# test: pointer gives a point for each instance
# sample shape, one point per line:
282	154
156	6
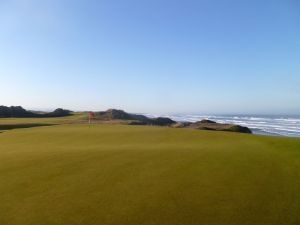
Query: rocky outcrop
241	129
162	121
206	121
211	125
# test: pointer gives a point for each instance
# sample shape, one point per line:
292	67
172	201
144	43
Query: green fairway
145	175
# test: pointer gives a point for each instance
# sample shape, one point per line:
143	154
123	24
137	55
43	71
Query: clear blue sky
156	56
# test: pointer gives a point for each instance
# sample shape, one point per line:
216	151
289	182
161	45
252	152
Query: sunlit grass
114	174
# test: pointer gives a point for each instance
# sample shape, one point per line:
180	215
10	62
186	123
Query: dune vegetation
120	174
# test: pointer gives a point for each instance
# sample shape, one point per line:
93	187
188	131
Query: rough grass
75	117
26	125
142	175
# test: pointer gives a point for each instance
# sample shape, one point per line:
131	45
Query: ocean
267	125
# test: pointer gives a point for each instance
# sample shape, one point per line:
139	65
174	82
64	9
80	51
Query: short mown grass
143	175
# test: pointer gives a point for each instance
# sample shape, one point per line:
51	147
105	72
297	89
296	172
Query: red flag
91	114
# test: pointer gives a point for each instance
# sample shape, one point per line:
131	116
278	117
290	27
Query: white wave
271	125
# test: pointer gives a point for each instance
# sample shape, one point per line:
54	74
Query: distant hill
122	117
58	113
18	111
133	119
136	119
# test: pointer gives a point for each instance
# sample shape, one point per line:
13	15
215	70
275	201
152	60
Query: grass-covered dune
113	174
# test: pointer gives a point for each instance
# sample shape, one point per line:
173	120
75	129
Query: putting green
143	175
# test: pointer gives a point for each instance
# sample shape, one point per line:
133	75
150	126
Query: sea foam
271	125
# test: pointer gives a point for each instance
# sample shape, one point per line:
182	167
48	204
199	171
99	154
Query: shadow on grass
16	126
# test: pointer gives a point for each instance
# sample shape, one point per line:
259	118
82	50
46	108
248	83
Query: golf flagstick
90	114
